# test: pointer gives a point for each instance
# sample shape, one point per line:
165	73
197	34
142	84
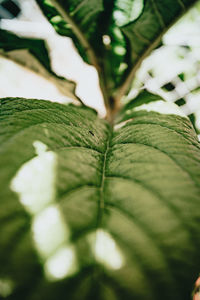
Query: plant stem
90	52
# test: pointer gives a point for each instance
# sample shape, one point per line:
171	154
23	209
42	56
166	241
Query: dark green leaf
114	36
138	183
80	19
89	23
144	97
33	54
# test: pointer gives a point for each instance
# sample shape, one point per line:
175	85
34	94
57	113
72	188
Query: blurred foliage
173	70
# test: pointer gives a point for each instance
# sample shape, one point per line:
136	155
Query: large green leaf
93	212
116	35
33	54
86	22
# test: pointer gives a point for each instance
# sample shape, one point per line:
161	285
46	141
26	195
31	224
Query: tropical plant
93	208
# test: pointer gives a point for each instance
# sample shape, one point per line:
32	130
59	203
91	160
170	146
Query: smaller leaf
33	54
79	21
145	33
144	97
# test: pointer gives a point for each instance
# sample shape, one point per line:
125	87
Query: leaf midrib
101	205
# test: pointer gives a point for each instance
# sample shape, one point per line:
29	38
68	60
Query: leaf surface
33	54
114	36
128	198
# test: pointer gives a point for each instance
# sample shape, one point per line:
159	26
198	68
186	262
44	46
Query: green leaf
76	19
114	36
93	212
87	22
92	27
33	54
144	97
145	33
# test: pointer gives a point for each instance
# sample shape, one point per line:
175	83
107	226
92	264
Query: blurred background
172	70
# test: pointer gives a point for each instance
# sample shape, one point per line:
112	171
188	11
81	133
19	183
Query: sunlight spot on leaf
46	131
122	67
56	19
119	17
128	112
106	40
67	25
118	33
6	287
161	107
34	182
40	148
48	2
197	121
49	230
136	9
122	124
106	250
119	50
127	11
35	185
61	264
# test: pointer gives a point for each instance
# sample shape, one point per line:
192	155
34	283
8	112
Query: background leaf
83	14
139	183
114	36
33	54
179	57
145	33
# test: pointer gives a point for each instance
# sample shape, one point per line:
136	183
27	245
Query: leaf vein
151	236
164	126
173	209
67	193
76	147
167	154
158	14
181	4
103	178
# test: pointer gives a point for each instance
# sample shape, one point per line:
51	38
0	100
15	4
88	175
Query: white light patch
106	251
6	287
106	39
122	124
35	181
127	13
40	147
162	107
35	185
122	67
119	17
119	50
56	19
49	231
61	264
197	121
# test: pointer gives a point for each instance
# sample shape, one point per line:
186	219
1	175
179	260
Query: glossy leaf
33	54
114	36
89	23
122	203
145	33
79	18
